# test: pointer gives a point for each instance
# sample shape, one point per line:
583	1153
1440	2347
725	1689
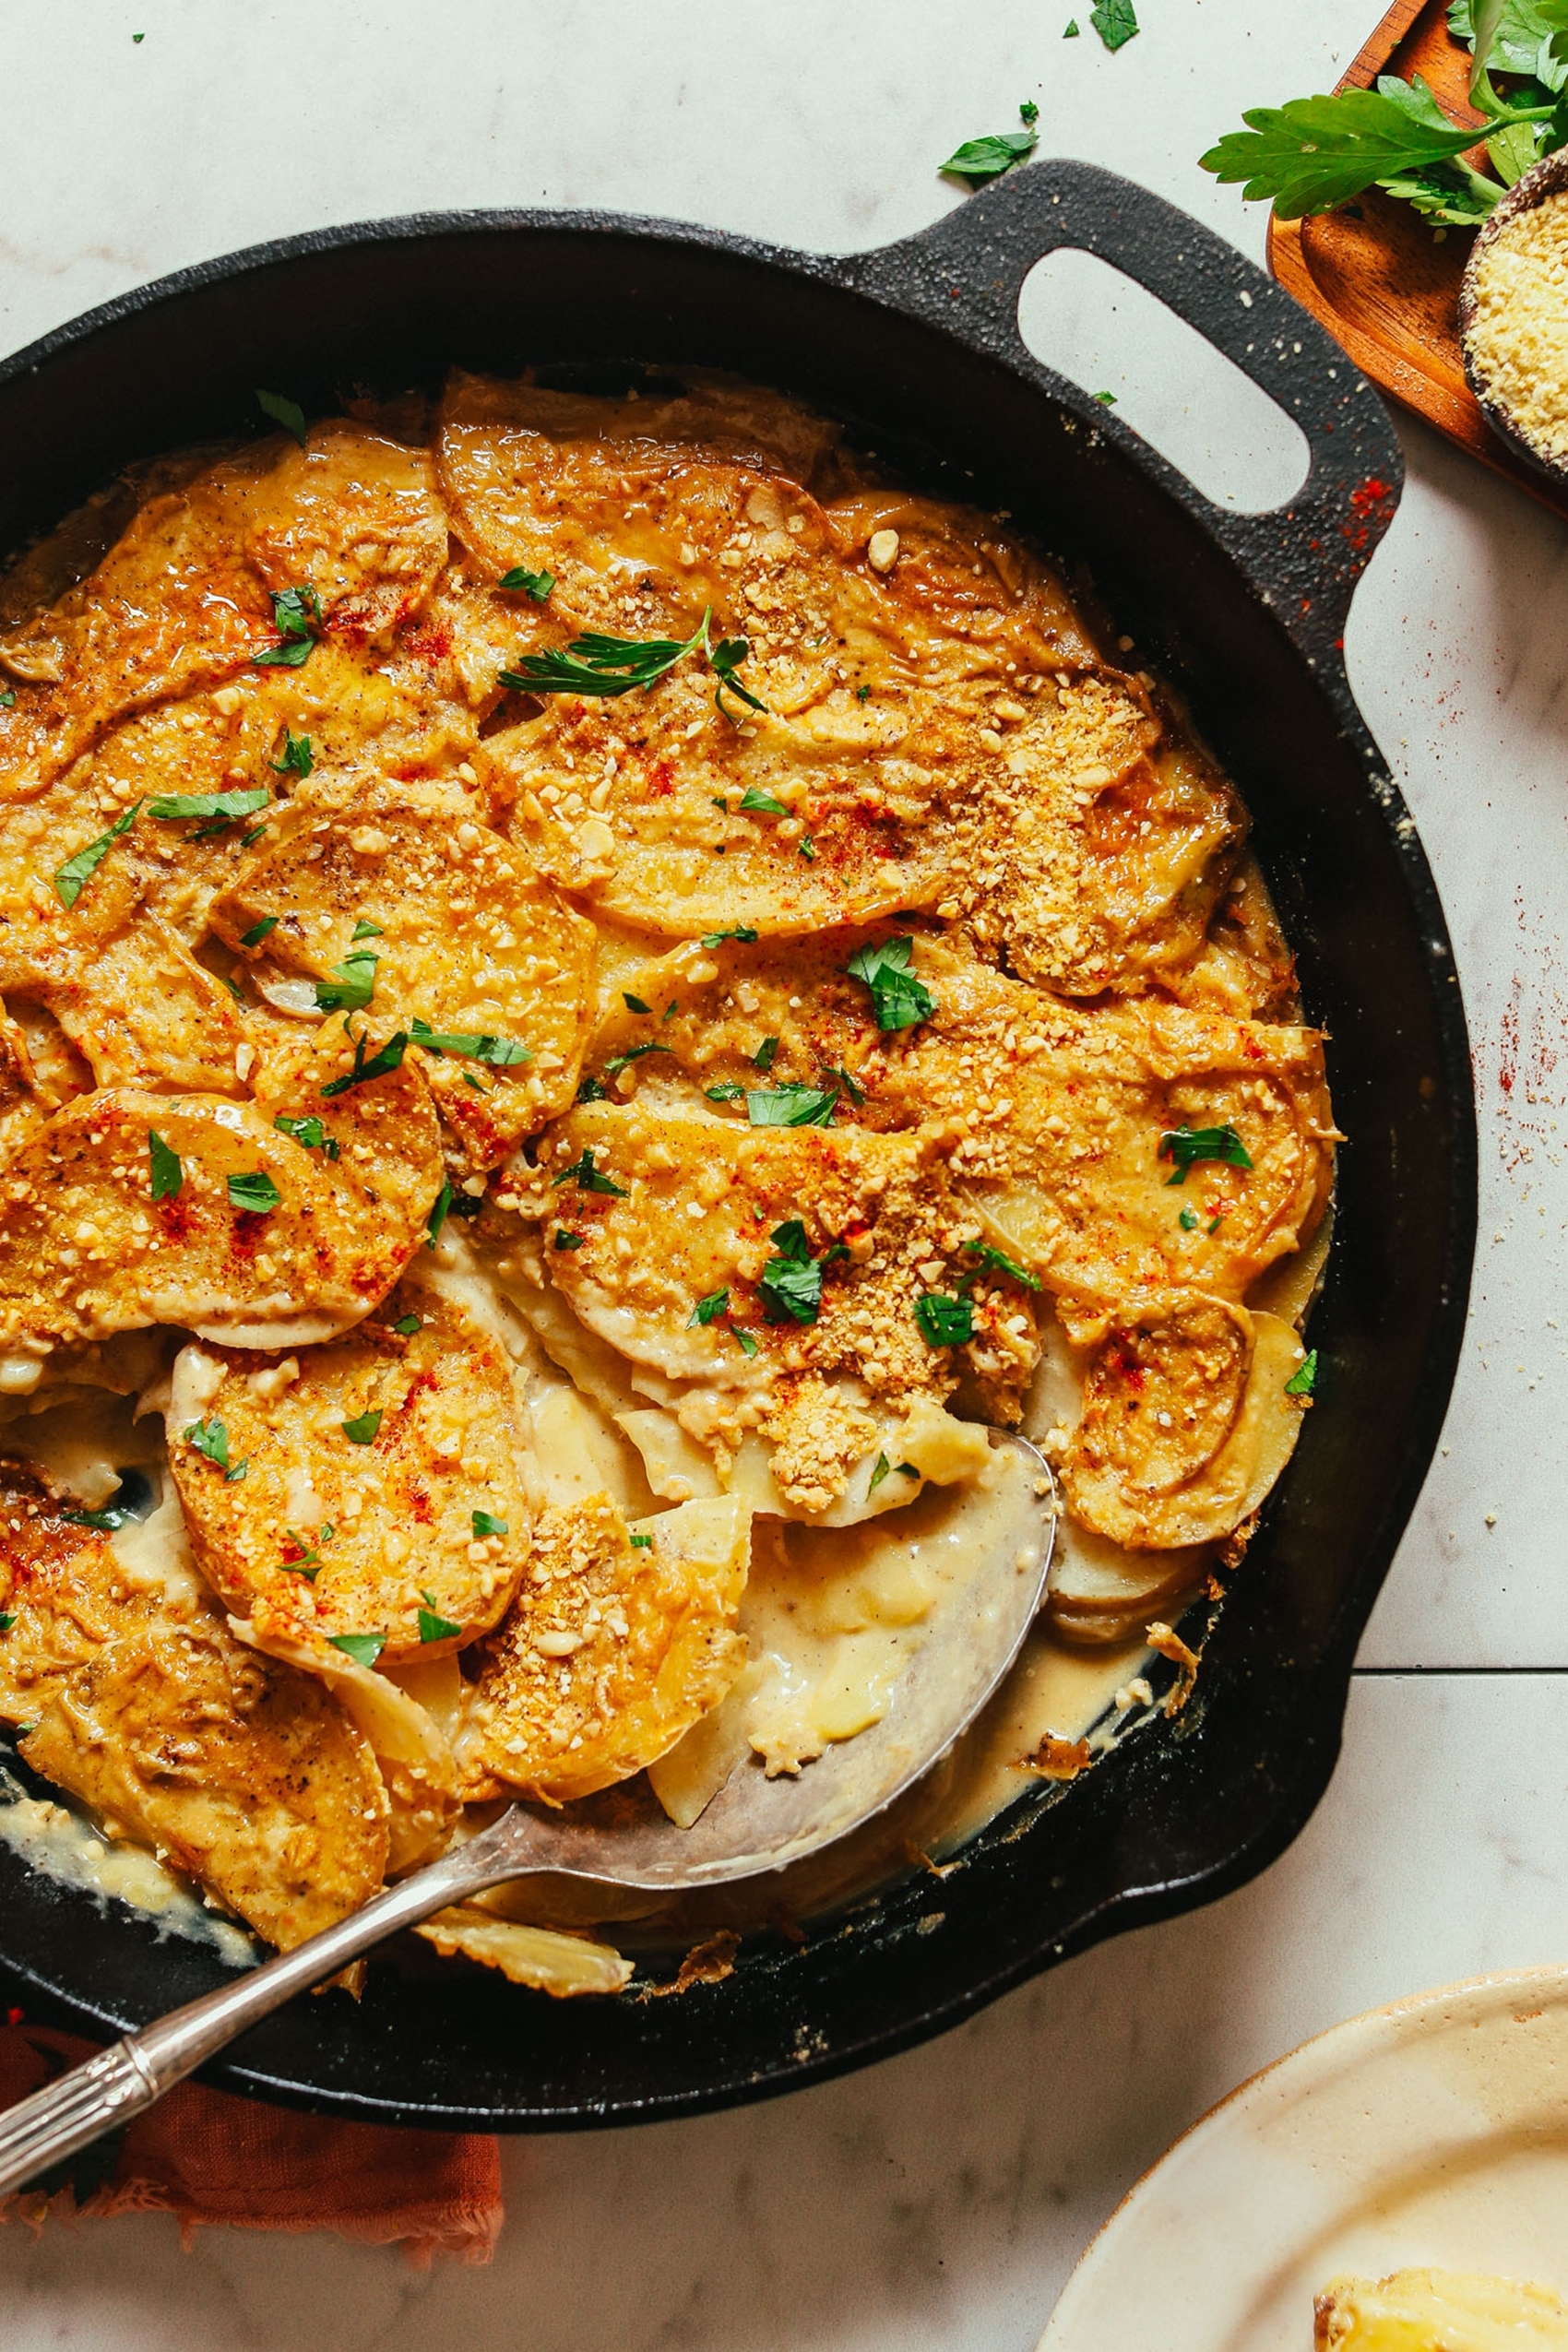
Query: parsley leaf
501	1052
1188	1221
260	931
362	1430
256	1194
364	1649
296	616
537	584
725	1091
405	1326
634	1003
997	1262
595	664
641	1543
565	1241
105	1521
77	871
1072	31
763	804
589	1089
433	1627
726	659
485	1523
708	1310
743	1339
353	984
379	1066
167	1173
986	159
1186	1146
945	1323
225	806
882	1467
1115	21
440	1209
298	758
897	998
583	1171
791	1282
791	1106
1106	400
287	413
1029	112
1313	153
211	1439
1303	1380
633	1053
8	699
743	931
308	1131
766	1054
363	929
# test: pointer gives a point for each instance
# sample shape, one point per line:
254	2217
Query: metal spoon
752	1825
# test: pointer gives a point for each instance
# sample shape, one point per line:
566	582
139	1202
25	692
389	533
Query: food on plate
1513	317
1437	2311
593	992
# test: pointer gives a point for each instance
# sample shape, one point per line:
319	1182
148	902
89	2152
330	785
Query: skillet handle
968	269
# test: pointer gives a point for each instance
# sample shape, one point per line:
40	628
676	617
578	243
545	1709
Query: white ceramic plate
1435	2133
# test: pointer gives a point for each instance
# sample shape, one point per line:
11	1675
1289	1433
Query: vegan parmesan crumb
1516	340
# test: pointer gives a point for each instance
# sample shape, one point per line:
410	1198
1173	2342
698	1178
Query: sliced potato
64	1588
461	938
183	597
144	1013
246	1775
564	1966
374	1466
612	1650
1187	1424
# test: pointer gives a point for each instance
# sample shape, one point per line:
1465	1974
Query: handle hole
1081	317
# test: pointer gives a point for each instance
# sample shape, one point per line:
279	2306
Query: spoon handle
119	2082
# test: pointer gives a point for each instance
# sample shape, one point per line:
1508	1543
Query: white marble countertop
940	2199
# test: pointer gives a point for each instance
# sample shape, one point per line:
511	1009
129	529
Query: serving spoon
751	1824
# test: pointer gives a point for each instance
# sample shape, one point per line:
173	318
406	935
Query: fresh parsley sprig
1185	1146
897	998
77	871
296	615
790	1283
986	159
606	667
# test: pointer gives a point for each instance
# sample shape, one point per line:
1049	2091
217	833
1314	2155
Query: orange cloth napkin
209	2156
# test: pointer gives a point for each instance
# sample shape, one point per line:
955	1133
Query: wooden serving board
1384	282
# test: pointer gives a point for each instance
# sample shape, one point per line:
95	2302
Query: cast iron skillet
919	343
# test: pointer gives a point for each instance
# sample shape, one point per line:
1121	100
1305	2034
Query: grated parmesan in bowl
1513	315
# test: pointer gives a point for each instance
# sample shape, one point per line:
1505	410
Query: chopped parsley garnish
211	1439
591	1089
260	931
808	849
634	1003
379	1066
708	1310
725	1091
747	1345
287	413
167	1173
565	1241
727	657
485	1523
743	931
596	664
1115	21
307	1132
862	694
763	804
641	1543
997	1262
305	1560
360	1649
477	1084
1106	400
583	1171
405	1326
1187	1146
791	1282
256	1194
79	870
433	1627
882	1467
232	985
986	159
537	583
945	1323
1303	1380
105	1521
352	986
450	1202
502	1052
298	758
766	1054
791	1106
841	1077
362	1430
296	616
1072	31
6	1620
633	1053
8	699
365	930
254	834
1188	1221
897	998
219	808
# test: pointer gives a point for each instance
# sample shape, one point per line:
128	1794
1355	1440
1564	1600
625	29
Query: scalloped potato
591	992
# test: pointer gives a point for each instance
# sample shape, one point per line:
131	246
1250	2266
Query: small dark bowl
1547	178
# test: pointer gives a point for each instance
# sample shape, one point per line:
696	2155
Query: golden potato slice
375	1466
543	1958
144	1013
436	910
613	1649
184	597
86	1250
246	1775
64	1589
22	1108
1187	1424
